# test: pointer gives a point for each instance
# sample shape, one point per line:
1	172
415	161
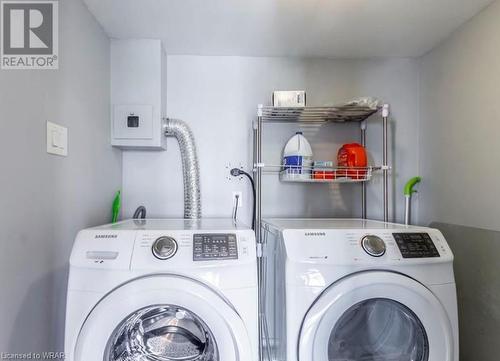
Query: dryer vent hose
190	167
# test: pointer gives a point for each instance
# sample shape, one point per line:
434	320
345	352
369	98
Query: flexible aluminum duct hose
190	168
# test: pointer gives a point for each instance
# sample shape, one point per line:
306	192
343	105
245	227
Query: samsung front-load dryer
163	290
357	290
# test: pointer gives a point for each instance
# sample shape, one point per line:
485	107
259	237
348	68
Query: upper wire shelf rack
338	114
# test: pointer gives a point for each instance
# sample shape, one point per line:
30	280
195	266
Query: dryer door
376	316
163	318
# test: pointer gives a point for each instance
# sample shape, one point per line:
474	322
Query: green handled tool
117	203
408	192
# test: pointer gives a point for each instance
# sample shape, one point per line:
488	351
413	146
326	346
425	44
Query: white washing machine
163	290
357	290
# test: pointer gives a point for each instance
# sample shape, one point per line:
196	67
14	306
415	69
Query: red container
323	174
352	156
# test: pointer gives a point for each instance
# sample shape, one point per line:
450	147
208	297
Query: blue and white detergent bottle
298	158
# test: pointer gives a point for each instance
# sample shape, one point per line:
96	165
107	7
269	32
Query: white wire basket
303	174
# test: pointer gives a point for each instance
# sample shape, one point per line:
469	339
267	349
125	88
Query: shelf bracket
259	250
258	165
260	108
362	125
385	111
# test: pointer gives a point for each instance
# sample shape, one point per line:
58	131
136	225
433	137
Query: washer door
163	318
376	316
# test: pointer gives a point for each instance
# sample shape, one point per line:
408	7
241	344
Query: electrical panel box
137	94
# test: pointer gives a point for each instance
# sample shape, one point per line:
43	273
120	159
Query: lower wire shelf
303	174
299	178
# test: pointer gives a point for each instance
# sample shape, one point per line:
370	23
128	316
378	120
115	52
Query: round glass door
378	330
377	316
162	333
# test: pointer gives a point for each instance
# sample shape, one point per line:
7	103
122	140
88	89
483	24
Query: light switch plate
57	139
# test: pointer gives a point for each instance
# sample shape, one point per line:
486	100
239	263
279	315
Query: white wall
46	199
460	126
218	96
397	82
460	158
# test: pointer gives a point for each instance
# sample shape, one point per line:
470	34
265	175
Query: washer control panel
415	245
212	246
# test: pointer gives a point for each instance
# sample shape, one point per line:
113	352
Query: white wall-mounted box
138	71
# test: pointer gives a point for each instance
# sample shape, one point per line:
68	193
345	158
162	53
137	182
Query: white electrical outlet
240	199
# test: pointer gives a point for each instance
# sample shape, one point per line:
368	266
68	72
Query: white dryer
163	290
357	290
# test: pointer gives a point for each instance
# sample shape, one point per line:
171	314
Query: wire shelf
306	174
338	114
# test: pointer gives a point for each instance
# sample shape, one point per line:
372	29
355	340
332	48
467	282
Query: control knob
373	245
164	248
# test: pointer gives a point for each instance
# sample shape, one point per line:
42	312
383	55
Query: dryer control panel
390	244
212	246
415	245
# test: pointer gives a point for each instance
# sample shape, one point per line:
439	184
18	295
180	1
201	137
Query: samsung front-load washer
357	290
163	290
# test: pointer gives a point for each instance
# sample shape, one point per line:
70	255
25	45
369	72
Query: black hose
140	213
235	172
